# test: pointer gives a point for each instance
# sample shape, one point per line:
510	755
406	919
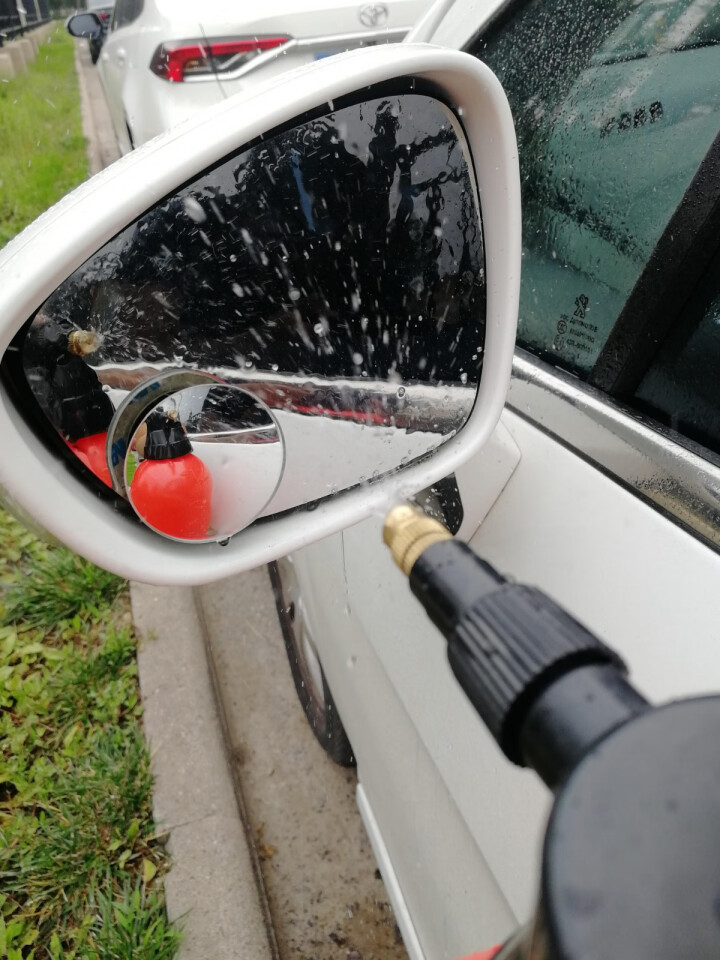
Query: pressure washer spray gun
631	856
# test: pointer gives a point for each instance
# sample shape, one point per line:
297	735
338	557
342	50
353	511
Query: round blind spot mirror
203	463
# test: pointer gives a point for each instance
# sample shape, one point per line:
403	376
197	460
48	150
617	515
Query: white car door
602	487
117	55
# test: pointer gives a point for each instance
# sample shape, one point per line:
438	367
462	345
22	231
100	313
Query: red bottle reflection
172	488
91	451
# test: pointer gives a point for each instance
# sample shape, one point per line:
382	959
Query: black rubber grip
508	646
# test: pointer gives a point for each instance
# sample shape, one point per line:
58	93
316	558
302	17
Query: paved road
313	864
324	894
97	127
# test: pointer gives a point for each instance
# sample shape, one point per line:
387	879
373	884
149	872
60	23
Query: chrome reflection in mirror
335	270
203	463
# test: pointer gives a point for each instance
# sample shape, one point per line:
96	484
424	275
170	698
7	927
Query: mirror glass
84	25
334	270
203	463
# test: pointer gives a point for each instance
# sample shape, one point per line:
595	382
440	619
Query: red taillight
176	61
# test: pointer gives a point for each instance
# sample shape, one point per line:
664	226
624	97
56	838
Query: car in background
104	11
601	484
165	60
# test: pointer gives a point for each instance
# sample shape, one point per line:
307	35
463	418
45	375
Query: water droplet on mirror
401	391
321	327
194	210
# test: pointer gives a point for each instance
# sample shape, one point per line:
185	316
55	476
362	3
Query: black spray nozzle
166	438
513	650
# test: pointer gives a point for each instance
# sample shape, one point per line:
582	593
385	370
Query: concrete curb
97	128
16	54
212	887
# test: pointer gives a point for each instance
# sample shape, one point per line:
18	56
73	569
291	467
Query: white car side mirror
288	292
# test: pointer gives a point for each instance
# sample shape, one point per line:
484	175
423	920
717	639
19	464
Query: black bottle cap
166	439
83	406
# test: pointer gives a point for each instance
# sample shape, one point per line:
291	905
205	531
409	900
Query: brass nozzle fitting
408	532
82	342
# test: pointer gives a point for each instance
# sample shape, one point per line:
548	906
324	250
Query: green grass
41	142
81	864
80	861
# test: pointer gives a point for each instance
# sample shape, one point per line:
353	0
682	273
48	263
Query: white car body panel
150	105
463	20
385	663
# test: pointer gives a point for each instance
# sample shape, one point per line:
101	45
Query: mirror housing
34	264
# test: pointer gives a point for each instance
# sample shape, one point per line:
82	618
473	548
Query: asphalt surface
324	894
270	858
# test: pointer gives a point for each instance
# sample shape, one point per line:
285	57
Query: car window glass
615	104
126	11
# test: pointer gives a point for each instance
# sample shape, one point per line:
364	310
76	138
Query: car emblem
373	14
